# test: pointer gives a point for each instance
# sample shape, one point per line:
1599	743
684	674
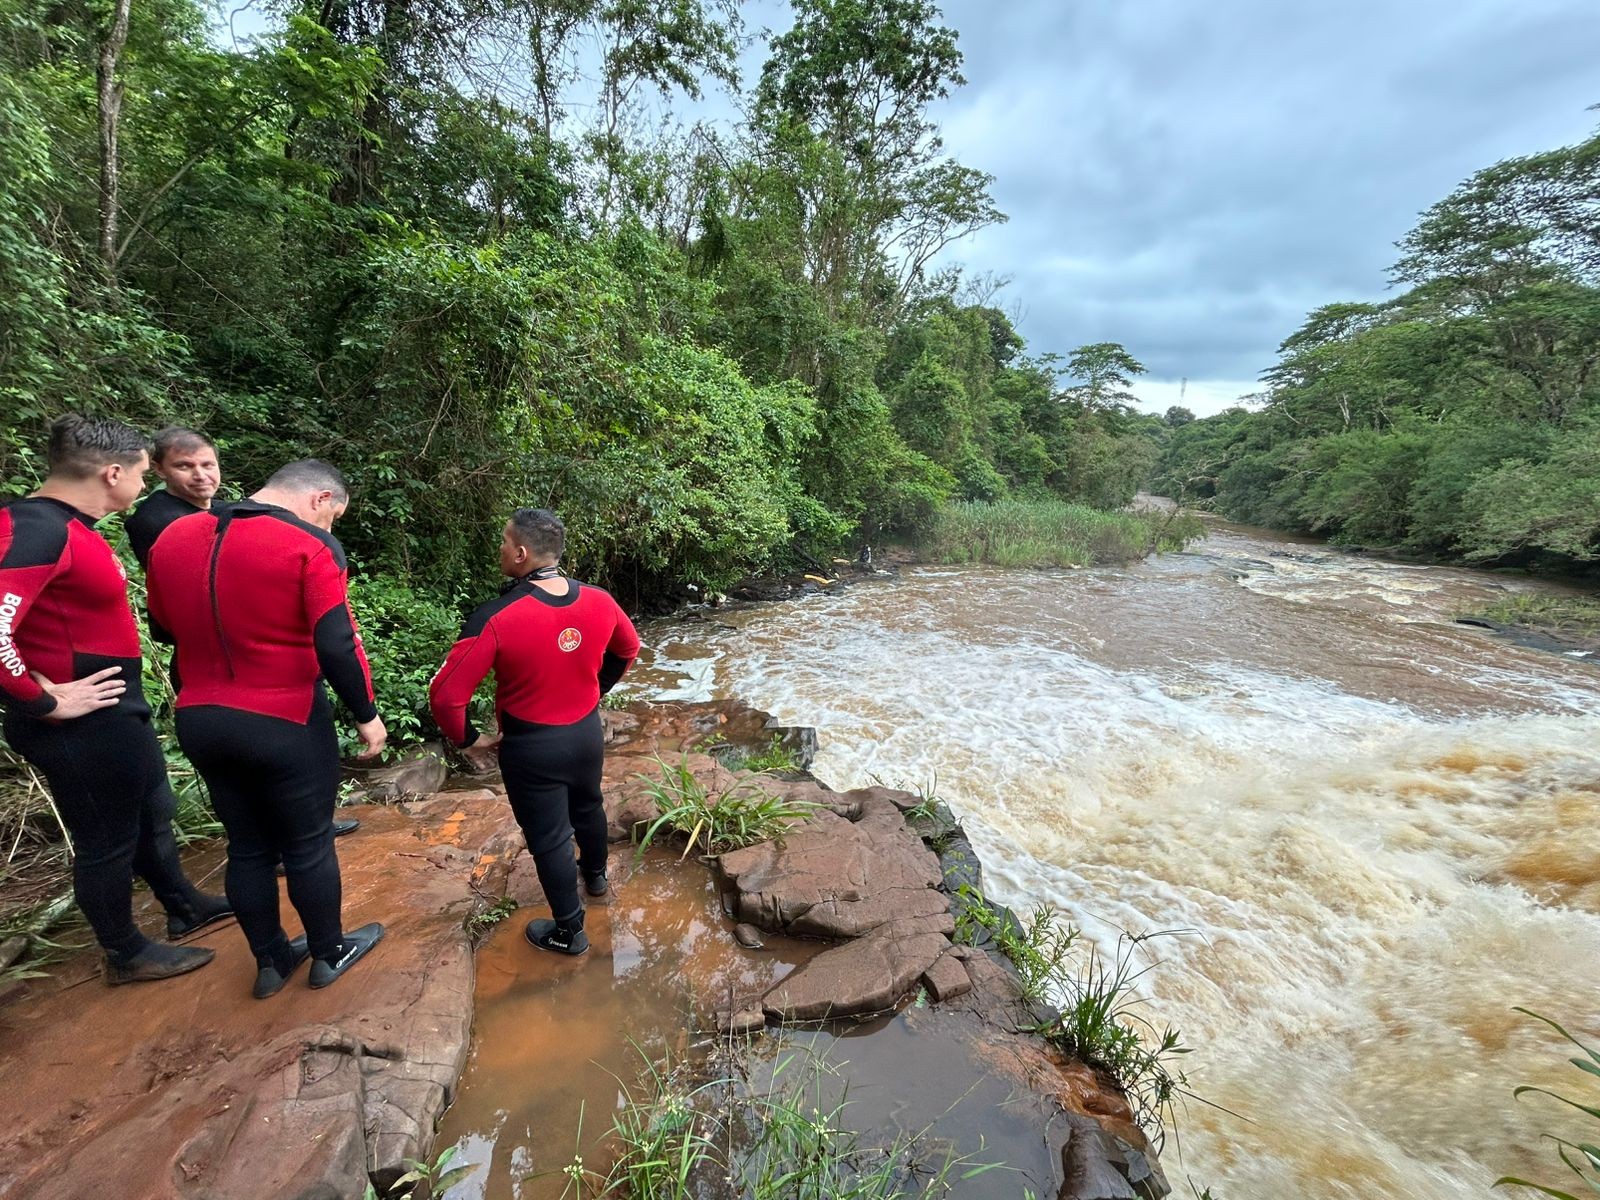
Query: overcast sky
1191	177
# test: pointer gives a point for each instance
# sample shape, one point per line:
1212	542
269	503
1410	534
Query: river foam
1374	833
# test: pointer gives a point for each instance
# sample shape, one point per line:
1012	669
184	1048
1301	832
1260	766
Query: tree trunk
110	97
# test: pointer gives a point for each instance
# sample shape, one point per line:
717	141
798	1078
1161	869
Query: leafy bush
740	817
407	635
1541	610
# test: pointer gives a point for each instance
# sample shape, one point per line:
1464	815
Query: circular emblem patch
570	639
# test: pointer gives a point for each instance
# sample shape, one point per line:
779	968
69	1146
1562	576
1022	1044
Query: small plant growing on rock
786	1142
1038	949
1581	1158
479	924
732	820
776	757
1097	1022
439	1176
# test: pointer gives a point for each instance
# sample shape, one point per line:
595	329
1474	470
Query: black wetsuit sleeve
612	667
333	634
143	527
342	662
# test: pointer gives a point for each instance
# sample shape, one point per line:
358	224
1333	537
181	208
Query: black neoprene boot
273	971
354	947
597	884
156	961
565	936
195	913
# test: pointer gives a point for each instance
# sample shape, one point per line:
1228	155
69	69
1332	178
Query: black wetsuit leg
273	783
155	859
107	778
552	775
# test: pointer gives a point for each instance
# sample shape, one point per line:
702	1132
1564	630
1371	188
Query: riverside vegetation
359	236
1459	420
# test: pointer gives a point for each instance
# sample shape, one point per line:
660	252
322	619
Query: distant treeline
441	243
1460	419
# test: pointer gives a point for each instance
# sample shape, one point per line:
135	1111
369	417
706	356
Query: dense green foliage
1461	418
364	238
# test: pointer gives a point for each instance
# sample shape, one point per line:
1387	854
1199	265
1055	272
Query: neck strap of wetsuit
550	572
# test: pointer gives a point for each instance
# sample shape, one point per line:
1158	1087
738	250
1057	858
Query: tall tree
842	115
1105	372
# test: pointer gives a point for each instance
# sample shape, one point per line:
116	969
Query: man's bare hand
374	737
483	754
79	697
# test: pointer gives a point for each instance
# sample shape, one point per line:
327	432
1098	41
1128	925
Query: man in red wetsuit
254	598
75	705
188	464
555	646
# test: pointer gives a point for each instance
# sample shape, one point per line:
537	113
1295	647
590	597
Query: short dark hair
81	446
176	437
311	475
540	531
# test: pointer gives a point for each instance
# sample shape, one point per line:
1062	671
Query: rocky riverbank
189	1089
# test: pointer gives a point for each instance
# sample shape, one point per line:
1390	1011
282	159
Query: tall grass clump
1581	1158
715	824
1577	615
785	1141
1098	1021
1051	533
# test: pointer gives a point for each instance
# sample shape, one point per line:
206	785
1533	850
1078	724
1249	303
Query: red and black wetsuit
552	657
255	599
64	613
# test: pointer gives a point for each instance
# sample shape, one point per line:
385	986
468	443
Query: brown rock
617	723
201	1091
868	975
902	800
422	772
830	877
748	936
1096	1165
947	978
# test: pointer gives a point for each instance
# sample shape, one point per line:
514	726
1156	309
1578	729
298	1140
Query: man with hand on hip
74	702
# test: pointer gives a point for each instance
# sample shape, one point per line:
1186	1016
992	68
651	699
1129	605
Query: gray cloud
1190	179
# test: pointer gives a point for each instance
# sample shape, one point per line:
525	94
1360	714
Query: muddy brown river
1376	827
1379	827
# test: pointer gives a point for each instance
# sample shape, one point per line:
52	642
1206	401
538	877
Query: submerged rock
867	975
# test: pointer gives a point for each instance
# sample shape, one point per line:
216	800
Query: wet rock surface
188	1088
